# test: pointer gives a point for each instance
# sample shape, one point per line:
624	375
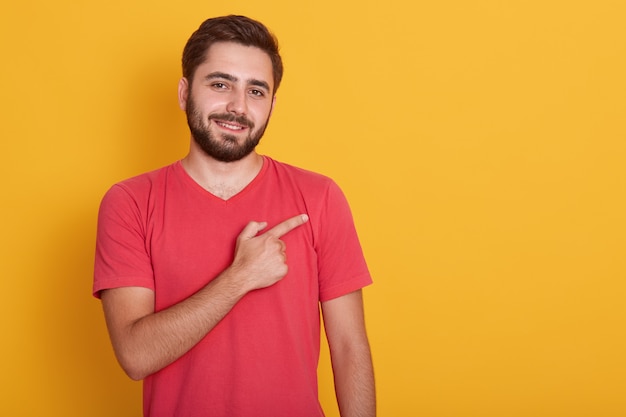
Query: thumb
252	229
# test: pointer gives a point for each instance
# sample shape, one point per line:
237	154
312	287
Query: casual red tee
162	231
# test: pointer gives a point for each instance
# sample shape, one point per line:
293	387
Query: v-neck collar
178	167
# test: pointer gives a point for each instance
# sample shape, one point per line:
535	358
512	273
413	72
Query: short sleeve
341	264
122	256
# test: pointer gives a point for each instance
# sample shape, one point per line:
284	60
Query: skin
236	80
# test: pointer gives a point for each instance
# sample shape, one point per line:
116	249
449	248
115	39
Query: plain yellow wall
482	145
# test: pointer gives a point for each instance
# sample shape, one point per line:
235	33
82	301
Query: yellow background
482	145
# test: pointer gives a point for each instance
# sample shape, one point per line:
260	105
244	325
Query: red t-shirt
162	231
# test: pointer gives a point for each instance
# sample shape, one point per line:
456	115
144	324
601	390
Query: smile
230	126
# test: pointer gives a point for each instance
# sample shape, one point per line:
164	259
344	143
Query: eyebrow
229	77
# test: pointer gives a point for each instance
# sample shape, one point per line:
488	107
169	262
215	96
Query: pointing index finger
288	225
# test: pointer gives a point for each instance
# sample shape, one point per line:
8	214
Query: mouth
230	126
231	123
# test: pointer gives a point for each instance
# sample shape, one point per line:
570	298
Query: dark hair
238	29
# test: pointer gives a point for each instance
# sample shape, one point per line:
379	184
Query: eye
218	86
257	93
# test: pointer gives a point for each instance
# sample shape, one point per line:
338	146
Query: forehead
243	62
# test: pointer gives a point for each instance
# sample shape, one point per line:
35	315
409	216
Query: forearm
155	340
350	354
146	341
354	381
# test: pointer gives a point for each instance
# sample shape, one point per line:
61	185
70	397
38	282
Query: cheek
262	113
207	101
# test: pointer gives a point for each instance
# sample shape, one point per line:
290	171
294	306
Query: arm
350	355
145	341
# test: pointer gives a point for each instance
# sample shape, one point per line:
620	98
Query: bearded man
212	270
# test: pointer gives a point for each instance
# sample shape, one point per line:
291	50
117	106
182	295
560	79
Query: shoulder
320	193
136	193
302	177
143	184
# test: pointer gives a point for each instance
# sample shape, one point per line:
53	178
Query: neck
222	179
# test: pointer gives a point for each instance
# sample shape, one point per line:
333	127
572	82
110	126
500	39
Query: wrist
233	282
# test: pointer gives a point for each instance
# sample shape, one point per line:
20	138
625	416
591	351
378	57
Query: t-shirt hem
346	287
120	283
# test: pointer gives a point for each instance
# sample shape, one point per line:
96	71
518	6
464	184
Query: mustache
229	117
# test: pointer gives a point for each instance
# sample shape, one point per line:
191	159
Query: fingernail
305	217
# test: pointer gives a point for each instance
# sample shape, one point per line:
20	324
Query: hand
261	259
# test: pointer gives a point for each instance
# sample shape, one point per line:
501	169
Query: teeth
229	126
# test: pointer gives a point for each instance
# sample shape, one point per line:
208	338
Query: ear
183	93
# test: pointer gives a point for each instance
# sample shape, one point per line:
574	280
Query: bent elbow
133	368
135	375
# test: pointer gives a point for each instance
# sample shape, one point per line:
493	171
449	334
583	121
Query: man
211	270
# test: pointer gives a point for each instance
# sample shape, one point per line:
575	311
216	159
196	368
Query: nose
237	102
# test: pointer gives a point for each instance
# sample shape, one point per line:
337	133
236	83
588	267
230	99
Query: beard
227	149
